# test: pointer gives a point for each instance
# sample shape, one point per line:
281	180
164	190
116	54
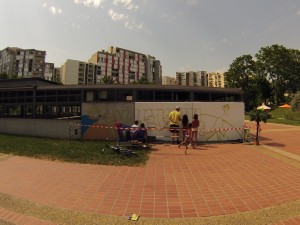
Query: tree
282	67
263	88
258	115
142	80
240	75
108	80
295	103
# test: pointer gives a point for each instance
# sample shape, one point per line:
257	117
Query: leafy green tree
143	80
282	67
258	116
108	80
240	75
263	88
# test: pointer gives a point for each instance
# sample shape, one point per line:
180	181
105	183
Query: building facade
79	72
30	63
200	78
49	71
39	98
167	80
8	62
126	67
192	78
216	79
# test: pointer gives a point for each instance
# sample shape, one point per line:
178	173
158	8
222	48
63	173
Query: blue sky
185	35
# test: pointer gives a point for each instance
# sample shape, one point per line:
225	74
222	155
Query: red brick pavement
279	136
214	179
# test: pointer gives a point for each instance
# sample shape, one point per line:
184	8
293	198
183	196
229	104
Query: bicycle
119	150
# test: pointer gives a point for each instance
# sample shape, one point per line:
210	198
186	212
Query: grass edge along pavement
57	215
76	151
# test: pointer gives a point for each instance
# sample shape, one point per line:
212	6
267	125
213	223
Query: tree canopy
273	74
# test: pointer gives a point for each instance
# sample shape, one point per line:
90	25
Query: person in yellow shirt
174	118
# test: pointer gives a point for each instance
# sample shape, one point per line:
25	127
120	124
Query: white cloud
55	10
298	13
88	3
117	17
128	4
128	23
192	2
171	18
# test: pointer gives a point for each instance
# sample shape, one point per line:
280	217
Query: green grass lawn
68	151
283	116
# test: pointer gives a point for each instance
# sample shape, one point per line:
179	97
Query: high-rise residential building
49	71
126	67
216	79
30	63
8	62
191	78
168	80
200	78
56	75
78	72
22	63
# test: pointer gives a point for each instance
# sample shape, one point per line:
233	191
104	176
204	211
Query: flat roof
41	84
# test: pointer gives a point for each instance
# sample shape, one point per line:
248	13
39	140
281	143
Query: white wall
219	121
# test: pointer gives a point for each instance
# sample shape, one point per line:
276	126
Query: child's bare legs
195	135
182	143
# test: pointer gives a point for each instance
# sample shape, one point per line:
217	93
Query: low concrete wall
60	129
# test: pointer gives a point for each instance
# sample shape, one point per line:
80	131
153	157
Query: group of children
189	131
138	133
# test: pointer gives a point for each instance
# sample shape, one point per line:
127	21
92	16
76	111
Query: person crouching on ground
174	118
188	138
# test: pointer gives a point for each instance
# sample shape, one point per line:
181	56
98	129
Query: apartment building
125	66
167	80
78	72
56	75
192	78
30	63
8	62
22	63
200	78
49	71
216	79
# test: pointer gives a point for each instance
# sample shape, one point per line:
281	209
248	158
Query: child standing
195	125
188	138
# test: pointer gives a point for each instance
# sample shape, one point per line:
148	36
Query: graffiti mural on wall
99	118
218	121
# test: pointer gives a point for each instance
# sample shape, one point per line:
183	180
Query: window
163	95
144	95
